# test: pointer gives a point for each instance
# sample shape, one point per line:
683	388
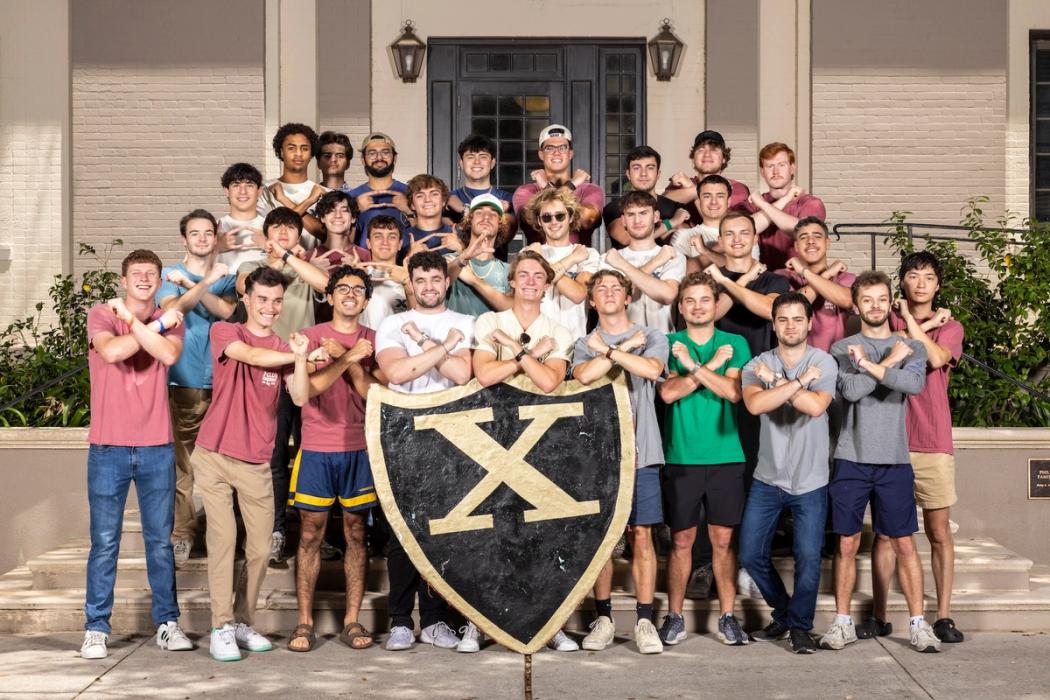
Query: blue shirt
193	369
362	221
413	234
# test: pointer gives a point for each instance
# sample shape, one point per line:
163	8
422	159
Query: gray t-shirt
873	429
793	447
648	443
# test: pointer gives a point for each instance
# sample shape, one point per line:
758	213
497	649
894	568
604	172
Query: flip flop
303	632
354	632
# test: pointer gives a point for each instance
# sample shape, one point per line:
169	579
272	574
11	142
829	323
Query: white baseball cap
487	200
555	131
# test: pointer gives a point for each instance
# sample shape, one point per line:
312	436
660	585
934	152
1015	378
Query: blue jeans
111	469
765	504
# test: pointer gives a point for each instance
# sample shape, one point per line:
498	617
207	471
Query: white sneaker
746	586
562	642
647	638
223	645
838	636
181	549
94	646
923	639
601	635
469	639
249	639
171	637
440	635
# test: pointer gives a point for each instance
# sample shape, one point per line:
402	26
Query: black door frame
581	72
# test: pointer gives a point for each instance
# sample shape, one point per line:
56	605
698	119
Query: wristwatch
609	352
521	355
424	337
571	185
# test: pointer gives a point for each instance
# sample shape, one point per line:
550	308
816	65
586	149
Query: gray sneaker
729	631
329	552
277	548
181	548
400	638
838	636
924	639
672	630
440	635
699	586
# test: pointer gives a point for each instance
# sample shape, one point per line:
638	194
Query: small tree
1005	315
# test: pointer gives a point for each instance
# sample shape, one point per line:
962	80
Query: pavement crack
905	669
106	672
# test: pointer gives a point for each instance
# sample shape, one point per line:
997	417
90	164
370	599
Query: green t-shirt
701	428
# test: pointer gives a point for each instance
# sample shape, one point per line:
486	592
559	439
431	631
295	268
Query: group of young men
250	362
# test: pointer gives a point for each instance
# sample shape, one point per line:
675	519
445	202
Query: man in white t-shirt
240	233
557	213
700	244
423	350
655	271
295	145
391	287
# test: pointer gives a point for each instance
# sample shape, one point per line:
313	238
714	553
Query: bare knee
311	531
903	547
848	546
354	528
682	540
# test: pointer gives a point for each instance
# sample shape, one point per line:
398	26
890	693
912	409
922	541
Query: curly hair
503	233
290	129
549	196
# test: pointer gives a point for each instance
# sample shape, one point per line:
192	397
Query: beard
875	323
379	172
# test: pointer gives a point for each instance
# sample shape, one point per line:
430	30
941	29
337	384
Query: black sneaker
672	630
699	586
946	632
801	642
873	627
773	632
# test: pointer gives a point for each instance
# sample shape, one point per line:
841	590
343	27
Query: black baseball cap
709	136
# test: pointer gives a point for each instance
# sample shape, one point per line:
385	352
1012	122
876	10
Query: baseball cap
555	131
377	136
712	136
487	200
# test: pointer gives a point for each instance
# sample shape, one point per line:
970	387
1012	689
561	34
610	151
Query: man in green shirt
704	460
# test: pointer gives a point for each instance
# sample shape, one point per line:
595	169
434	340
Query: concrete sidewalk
999	666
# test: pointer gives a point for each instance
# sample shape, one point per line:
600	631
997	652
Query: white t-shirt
296	193
507	322
560	308
644	310
709	235
388	298
235	258
437	326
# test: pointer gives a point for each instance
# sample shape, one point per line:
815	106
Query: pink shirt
829	320
242	419
335	420
588	193
129	399
777	245
929	417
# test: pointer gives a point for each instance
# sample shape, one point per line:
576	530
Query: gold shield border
379	395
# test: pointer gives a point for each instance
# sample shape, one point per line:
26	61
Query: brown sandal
355	632
303	632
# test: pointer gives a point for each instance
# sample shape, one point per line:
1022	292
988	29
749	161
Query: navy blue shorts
647	504
319	478
890	488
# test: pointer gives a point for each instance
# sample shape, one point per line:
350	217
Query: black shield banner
507	500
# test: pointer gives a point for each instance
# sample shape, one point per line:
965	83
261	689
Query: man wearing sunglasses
333	463
556	155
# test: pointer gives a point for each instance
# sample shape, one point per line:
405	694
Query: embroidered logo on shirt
269	379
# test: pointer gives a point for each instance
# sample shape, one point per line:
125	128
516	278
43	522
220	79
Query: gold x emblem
505	466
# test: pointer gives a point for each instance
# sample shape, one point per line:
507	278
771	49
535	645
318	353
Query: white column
291	69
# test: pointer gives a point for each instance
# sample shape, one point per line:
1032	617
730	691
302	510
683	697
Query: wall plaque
1038	478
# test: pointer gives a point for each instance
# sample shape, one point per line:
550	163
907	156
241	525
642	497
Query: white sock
917	620
844	619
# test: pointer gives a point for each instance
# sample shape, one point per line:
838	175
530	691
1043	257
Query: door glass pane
499	62
510	128
510	151
509	176
485	127
510	106
483	105
537	105
535	127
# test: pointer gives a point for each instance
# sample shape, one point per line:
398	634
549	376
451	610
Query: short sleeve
388	335
249	266
611	213
591	263
747	375
592	196
951	337
563	343
813	206
656	346
225	287
829	373
101	319
581	353
483	329
741	352
465	324
167	288
222	336
774	283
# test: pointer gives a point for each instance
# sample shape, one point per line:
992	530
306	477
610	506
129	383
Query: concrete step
981	565
24	610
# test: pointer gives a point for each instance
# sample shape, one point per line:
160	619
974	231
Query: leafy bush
1004	313
34	351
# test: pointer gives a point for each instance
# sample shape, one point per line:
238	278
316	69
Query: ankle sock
645	611
603	607
917	620
844	619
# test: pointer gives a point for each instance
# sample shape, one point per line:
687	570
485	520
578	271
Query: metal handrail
886	229
46	385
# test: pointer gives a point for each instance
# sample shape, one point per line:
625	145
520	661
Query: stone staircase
995	590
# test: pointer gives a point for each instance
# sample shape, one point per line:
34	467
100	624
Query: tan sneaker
838	636
647	638
601	635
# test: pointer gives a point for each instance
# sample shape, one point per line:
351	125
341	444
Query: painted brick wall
149	145
918	143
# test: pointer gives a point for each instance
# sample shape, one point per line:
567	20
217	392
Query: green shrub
34	352
1005	316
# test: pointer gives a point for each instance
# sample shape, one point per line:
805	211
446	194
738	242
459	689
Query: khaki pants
218	476
188	407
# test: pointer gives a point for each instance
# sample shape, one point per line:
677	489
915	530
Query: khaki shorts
934	480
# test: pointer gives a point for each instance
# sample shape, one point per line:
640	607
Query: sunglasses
524	339
557	216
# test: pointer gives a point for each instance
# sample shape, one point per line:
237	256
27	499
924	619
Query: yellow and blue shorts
321	478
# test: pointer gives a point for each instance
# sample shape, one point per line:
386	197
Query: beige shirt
297	312
507	322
